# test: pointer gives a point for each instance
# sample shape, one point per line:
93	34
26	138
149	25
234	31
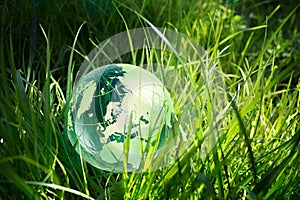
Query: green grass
255	45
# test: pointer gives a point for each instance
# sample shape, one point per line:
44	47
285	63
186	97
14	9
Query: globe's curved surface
118	114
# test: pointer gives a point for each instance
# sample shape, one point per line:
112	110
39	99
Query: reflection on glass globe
119	112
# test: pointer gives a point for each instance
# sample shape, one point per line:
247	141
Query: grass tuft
252	44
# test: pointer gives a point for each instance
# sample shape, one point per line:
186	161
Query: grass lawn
253	44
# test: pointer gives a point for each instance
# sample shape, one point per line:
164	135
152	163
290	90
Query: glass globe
119	113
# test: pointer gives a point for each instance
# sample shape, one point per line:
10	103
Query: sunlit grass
256	155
